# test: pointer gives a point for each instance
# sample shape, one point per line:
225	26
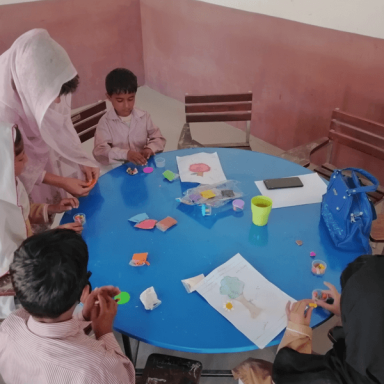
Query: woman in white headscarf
36	81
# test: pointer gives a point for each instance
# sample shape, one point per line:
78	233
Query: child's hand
297	314
75	187
335	295
147	153
77	227
102	316
91	173
63	206
90	299
136	158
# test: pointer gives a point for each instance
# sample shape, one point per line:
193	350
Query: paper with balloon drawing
203	168
247	299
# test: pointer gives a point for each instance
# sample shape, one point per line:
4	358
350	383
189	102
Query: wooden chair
171	369
351	132
214	108
85	122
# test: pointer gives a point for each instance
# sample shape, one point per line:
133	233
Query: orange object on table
140	258
91	183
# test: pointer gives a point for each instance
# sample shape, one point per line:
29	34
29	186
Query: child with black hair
44	342
125	133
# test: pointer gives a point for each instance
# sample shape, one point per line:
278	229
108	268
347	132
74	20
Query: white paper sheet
312	192
258	305
211	170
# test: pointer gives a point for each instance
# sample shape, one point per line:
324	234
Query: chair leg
185	140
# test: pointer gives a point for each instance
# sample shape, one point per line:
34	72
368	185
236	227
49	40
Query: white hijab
39	67
12	225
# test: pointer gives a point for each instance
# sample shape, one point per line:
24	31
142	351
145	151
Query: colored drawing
123	298
233	287
199	169
146	224
228	306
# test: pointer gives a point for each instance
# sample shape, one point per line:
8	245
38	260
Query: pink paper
146	224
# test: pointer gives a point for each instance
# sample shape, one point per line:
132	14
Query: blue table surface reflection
196	245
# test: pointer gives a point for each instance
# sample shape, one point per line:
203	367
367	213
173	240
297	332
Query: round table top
196	245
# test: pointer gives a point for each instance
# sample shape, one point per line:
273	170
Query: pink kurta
45	353
114	138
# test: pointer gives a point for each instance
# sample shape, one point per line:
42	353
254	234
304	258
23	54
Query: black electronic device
288	182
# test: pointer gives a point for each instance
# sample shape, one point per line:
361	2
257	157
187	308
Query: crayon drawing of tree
233	288
199	168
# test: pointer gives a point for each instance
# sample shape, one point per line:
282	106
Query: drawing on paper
228	306
199	169
203	168
233	287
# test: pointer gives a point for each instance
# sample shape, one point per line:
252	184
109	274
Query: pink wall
98	35
297	72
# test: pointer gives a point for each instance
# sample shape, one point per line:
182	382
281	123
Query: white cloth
38	67
12	225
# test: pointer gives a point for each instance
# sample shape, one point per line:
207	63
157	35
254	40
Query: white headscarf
12	225
39	67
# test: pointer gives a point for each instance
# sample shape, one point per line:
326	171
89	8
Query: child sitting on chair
37	213
43	342
125	133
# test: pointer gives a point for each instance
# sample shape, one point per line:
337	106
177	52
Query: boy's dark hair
70	86
49	272
120	80
19	143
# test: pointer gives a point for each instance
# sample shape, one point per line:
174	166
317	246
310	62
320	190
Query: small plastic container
238	205
206	210
318	294
318	267
79	218
160	162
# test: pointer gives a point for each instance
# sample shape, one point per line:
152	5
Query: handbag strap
368	176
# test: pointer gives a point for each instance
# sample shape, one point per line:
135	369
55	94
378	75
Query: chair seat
171	369
377	231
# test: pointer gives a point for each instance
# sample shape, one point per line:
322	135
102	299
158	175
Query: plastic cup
160	162
261	208
79	218
318	267
317	294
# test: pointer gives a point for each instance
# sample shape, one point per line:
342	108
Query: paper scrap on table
139	259
139	218
208	194
166	223
258	305
203	168
146	224
312	192
190	284
150	299
169	175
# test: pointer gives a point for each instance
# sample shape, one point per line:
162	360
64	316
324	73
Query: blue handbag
347	211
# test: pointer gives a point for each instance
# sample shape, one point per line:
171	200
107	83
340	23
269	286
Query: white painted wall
3	2
365	17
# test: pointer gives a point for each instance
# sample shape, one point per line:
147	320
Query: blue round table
197	244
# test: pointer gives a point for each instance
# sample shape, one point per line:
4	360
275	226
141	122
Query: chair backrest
212	108
85	122
360	134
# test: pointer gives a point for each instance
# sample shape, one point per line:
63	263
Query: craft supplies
148	170
318	267
170	176
166	223
79	218
206	210
190	284
208	194
299	243
312	254
139	259
132	171
122	298
139	218
150	299
238	205
146	224
318	294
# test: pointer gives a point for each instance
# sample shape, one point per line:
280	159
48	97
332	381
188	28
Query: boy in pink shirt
125	133
44	342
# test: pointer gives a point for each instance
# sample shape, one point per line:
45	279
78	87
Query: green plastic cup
261	208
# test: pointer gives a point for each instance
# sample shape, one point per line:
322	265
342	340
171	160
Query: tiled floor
169	115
